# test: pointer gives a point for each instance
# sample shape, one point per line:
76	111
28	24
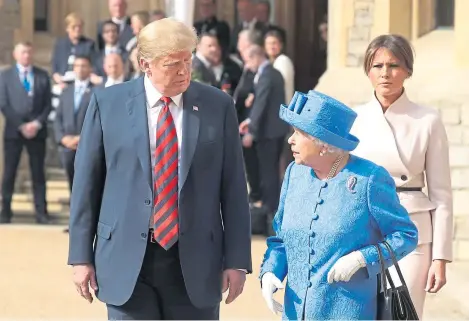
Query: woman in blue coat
334	209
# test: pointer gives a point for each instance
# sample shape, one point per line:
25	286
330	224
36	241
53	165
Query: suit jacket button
404	177
147	202
144	235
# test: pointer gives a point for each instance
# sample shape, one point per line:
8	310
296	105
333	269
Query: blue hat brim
348	143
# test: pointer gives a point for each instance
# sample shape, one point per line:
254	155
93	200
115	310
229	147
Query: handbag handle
396	265
382	275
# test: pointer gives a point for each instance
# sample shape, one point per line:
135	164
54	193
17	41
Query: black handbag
393	303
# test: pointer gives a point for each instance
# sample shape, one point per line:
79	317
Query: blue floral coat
318	222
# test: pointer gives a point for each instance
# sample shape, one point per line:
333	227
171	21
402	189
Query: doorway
444	13
41	9
310	56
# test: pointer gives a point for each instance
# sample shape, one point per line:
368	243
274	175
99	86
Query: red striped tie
165	213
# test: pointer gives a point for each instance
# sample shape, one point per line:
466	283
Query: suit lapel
69	113
136	108
190	133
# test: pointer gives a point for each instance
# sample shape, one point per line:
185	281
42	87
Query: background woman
409	140
66	48
334	208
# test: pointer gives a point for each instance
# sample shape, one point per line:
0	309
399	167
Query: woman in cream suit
273	44
409	140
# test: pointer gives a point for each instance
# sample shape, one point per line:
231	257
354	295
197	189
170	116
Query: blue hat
322	117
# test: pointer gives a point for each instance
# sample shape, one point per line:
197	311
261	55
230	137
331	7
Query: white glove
346	266
270	283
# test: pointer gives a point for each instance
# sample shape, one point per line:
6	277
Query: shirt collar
262	67
153	95
22	69
82	83
119	21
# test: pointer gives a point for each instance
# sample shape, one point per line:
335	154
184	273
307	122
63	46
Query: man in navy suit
159	222
25	101
70	114
117	9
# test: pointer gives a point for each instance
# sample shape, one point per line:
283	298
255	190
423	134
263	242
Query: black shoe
43	219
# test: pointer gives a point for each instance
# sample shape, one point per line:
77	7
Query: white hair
328	148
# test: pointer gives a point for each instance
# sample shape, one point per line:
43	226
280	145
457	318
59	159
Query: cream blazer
285	66
410	141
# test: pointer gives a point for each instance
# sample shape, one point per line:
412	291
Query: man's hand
29	130
247	140
84	277
244	127
69	141
75	141
96	80
234	280
436	276
249	100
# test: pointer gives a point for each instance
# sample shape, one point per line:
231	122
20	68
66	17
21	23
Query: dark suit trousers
160	293
68	162
36	149
268	155
252	173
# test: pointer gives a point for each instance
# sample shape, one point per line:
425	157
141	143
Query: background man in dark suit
264	127
246	10
70	114
118	11
263	15
160	185
25	101
210	23
212	68
112	45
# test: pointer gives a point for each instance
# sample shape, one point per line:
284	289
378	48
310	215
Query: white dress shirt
110	81
154	105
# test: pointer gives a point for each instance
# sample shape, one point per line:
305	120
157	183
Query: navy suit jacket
16	105
67	121
124	36
63	49
111	202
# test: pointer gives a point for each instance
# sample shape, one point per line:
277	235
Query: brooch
351	183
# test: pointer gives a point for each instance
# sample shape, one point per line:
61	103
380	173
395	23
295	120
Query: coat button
312	252
315	217
404	177
147	202
324	184
144	235
312	234
310	284
319	201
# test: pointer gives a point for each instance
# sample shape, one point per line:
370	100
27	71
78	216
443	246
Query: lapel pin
195	108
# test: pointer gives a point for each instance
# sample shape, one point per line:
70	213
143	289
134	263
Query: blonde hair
142	16
73	18
165	37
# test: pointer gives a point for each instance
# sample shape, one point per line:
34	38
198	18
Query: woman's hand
346	266
436	276
270	283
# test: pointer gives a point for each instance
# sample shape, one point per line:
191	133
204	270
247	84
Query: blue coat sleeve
391	218
275	258
88	186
